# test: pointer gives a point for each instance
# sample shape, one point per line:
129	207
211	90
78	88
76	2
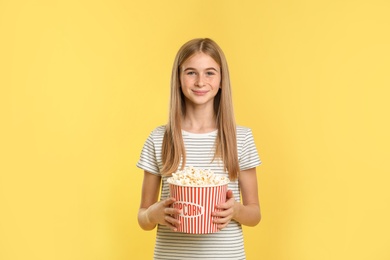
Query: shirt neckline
199	134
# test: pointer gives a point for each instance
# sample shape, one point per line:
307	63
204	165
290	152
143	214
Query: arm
247	213
151	211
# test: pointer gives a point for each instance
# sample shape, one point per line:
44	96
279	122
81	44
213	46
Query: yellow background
84	82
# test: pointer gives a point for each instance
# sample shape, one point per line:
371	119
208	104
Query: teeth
191	176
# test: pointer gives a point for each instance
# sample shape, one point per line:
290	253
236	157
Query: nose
200	82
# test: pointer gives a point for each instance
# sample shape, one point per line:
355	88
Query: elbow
251	217
259	217
143	221
146	227
256	220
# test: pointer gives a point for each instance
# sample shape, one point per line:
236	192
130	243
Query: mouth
199	92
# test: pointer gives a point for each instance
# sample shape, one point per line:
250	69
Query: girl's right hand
162	213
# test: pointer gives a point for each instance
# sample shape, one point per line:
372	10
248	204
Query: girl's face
200	78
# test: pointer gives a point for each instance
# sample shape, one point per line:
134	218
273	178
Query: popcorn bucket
196	204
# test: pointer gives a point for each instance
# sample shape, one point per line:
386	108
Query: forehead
200	60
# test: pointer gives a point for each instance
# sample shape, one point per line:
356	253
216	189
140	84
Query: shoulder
156	135
158	132
244	135
243	130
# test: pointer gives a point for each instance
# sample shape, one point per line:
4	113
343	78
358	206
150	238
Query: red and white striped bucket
196	204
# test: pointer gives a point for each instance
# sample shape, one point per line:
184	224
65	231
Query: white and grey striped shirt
225	244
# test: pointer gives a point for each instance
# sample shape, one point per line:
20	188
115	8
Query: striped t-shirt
225	244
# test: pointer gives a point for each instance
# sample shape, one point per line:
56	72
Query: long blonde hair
226	145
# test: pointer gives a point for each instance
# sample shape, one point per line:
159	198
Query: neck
199	121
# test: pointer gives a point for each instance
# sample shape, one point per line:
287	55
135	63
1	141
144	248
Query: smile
199	93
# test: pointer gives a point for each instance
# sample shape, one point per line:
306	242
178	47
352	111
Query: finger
222	214
172	223
226	205
222	222
219	213
172	211
229	194
170	226
221	226
169	201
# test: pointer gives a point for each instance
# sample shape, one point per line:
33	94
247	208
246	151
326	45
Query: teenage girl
200	132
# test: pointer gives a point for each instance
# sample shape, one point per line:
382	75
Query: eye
210	73
190	73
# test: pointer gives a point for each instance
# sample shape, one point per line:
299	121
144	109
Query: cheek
217	82
182	82
186	81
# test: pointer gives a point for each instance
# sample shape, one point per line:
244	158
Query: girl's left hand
227	213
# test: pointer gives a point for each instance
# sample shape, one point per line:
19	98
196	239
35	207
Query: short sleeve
148	158
248	155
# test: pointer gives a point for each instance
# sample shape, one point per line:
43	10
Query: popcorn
197	192
191	176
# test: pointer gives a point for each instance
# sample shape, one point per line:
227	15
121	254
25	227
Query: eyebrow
210	68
